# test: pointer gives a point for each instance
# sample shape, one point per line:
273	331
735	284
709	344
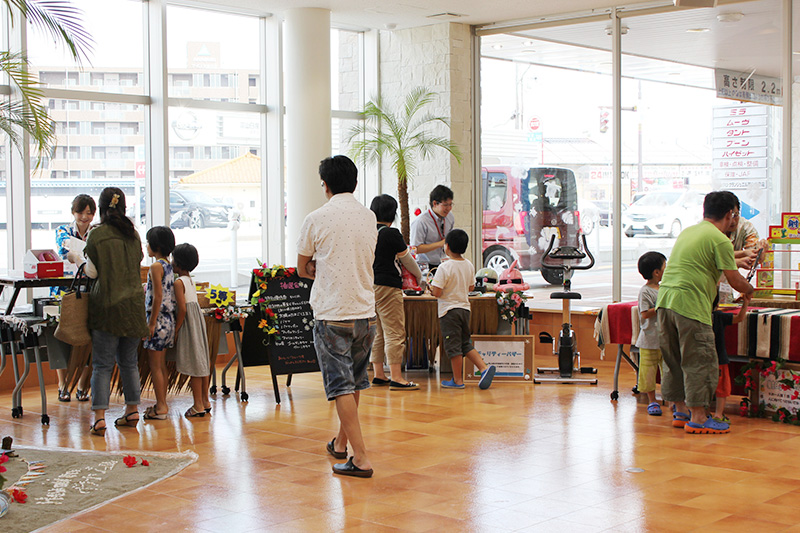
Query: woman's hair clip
114	200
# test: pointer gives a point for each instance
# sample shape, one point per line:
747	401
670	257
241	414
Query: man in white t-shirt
336	248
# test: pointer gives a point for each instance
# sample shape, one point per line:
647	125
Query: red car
522	208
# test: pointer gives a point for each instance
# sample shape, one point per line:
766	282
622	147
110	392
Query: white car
663	213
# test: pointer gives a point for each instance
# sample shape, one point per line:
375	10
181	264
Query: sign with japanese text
511	354
746	87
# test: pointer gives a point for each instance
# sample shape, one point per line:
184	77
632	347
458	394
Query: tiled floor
514	458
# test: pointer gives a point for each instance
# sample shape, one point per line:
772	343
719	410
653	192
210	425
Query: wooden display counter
423	337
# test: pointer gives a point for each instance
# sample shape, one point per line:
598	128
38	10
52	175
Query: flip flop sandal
654	409
333	452
151	414
126	420
63	395
193	413
394	385
207	410
81	395
94	430
349	469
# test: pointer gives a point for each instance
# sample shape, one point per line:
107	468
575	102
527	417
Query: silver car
663	213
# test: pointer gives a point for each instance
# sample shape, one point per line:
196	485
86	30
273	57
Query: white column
616	123
307	62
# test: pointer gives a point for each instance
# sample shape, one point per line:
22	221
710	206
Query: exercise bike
566	346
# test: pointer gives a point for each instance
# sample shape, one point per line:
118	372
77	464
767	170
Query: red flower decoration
19	495
269	312
145	462
129	460
3	459
417	211
291	270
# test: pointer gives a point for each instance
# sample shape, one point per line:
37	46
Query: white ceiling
754	42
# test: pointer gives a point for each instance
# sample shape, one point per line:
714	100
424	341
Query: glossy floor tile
516	457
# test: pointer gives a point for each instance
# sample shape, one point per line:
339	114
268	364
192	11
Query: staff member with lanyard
430	228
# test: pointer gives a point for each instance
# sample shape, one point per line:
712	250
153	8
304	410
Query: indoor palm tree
404	137
24	111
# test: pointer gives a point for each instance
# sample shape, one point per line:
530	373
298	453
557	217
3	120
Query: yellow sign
219	296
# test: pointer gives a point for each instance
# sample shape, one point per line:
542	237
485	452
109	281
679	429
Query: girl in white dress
191	346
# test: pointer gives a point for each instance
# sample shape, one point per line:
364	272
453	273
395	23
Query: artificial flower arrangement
17	494
789	381
230	313
508	303
263	275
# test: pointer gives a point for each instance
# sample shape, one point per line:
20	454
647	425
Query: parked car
663	213
590	215
193	209
523	208
604	214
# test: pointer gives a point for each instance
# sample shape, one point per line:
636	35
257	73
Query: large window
116	63
212	55
215	174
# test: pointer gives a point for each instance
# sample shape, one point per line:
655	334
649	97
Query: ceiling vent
445	16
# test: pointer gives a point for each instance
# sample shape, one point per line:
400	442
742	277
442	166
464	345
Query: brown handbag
73	324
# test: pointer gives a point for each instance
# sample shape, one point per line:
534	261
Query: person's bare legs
340	444
720	410
350	429
83	381
378	372
62	378
158	371
476	359
196	384
397	373
457	364
204	381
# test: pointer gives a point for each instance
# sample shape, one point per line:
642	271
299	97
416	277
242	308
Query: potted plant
404	137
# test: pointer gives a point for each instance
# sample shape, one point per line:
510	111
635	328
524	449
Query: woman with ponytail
116	311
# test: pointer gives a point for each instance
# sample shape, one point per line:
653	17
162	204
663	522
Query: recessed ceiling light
673	74
698	30
730	17
527	43
497	46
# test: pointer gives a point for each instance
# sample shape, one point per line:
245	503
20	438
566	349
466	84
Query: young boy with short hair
721	320
452	283
651	267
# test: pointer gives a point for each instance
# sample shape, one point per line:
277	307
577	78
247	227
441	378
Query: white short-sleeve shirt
454	277
341	237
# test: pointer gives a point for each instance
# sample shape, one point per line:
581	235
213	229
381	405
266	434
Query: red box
35	267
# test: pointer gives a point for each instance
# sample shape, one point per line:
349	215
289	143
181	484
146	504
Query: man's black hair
161	240
339	173
649	262
185	256
441	194
385	208
717	204
457	240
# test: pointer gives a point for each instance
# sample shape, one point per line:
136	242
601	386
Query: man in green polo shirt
688	289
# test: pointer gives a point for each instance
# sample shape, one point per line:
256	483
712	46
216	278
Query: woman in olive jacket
116	308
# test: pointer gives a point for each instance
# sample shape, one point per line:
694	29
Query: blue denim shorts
343	349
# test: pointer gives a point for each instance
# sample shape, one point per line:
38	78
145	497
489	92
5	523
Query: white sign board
747	87
507	355
771	393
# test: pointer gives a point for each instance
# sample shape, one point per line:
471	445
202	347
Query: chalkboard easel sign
282	309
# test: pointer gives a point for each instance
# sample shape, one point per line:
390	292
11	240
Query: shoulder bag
73	324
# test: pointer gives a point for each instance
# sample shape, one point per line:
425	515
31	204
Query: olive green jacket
116	303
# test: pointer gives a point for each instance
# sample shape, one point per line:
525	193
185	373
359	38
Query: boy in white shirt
451	285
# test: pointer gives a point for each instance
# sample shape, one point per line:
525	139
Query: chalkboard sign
291	349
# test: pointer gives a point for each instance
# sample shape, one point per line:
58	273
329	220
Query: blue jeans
343	349
106	349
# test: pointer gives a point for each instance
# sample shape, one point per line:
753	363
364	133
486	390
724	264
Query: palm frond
60	19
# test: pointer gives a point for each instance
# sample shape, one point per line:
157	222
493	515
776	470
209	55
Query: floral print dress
164	335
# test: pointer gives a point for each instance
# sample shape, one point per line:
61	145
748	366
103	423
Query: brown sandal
127	421
94	430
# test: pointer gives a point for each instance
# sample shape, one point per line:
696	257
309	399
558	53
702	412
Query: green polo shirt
116	303
689	285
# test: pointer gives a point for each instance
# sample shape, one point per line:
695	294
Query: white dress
191	346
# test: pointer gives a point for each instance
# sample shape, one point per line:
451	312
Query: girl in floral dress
160	306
